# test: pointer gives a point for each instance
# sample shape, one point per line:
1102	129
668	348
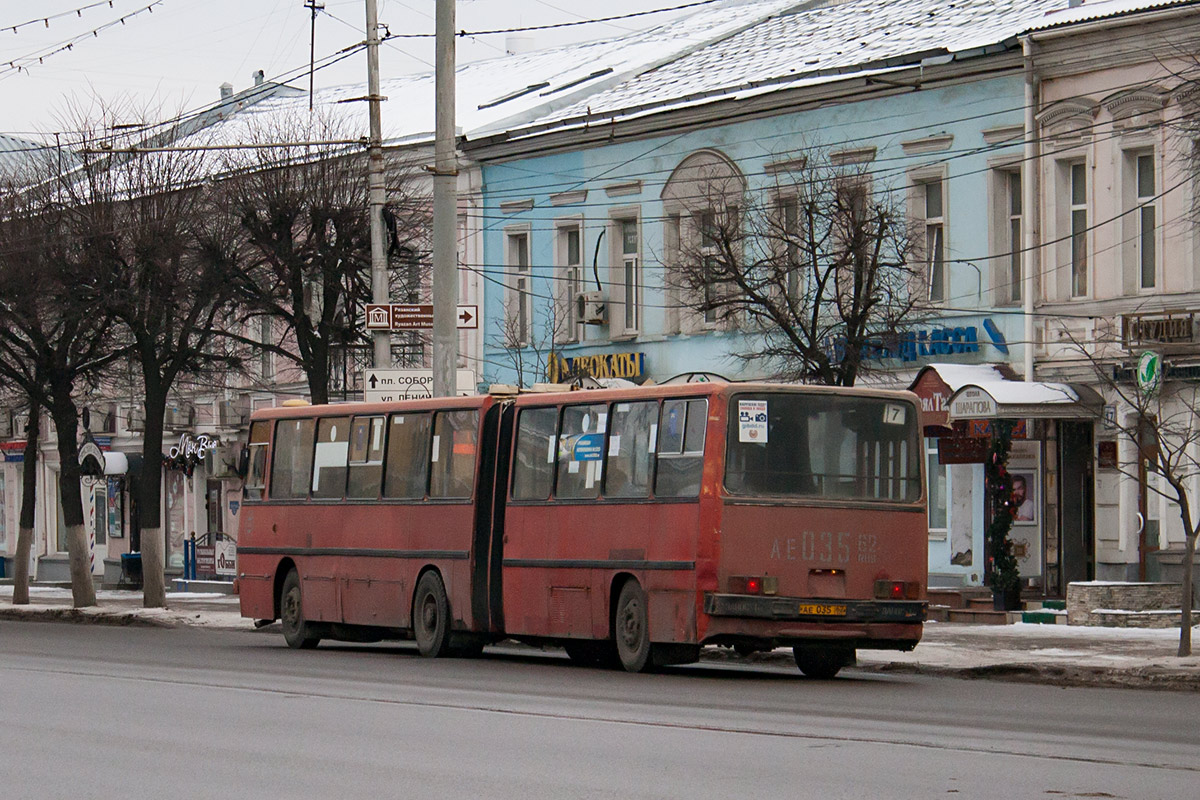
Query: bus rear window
822	446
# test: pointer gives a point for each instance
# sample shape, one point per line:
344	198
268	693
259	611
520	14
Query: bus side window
366	457
533	472
581	452
407	457
256	477
631	450
292	466
681	448
452	472
329	461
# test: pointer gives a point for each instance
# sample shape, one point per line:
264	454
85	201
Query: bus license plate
821	610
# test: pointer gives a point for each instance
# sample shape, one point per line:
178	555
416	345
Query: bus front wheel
631	628
297	632
822	663
431	616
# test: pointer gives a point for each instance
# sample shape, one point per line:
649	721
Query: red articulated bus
626	525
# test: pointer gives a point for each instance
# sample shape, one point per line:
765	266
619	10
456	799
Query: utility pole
377	195
314	6
445	209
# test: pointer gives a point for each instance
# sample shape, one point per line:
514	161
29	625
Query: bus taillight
897	590
745	584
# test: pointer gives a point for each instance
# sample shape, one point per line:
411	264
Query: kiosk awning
1025	400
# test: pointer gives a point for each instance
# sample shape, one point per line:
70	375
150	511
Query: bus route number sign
752	421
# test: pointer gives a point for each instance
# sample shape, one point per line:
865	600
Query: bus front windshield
823	446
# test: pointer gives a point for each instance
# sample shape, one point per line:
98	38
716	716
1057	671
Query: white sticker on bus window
550	450
377	434
397	420
622	408
653	437
602	423
589	474
437	441
573	467
893	414
614	444
752	421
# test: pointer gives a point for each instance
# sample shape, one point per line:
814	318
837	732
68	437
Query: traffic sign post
415	317
390	385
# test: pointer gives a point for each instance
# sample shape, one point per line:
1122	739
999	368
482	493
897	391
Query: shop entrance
1076	501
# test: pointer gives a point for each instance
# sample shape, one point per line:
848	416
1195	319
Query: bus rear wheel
631	628
431	616
297	632
822	663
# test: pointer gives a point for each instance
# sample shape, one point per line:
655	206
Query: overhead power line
46	19
22	63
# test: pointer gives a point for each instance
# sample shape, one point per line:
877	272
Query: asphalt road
104	712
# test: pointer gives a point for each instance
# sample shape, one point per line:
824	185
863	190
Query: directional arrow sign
468	317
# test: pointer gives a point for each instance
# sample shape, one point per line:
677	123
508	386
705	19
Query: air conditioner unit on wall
222	461
180	416
591	307
233	413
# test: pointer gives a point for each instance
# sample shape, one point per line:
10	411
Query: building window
935	473
266	357
520	299
709	253
789	231
568	327
631	275
1147	219
935	238
1079	226
1016	275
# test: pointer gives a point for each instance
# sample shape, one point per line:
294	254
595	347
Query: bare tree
529	341
1161	419
55	340
163	268
304	237
818	267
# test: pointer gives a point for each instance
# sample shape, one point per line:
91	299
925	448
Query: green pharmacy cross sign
1149	372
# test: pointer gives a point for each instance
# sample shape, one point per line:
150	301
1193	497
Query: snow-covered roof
957	376
823	41
1029	399
502	92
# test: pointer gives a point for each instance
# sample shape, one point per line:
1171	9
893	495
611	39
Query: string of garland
1005	574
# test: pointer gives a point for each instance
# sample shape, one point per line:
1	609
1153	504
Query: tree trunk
149	490
318	372
66	424
1185	609
28	508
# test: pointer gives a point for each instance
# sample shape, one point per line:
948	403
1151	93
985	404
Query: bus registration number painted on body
822	610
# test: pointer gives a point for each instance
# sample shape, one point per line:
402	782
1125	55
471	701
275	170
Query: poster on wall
1025	467
116	521
176	524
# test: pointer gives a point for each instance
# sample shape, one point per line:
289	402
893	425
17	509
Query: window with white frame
1013	242
789	230
630	274
932	194
709	254
1145	219
266	337
1077	187
939	497
520	295
570	280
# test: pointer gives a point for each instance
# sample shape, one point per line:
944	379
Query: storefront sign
192	449
935	398
206	560
1141	330
14	452
982	428
226	557
962	450
973	403
1149	372
631	366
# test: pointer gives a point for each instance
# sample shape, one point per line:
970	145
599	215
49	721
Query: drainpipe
1029	203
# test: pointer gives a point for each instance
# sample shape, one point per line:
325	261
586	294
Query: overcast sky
181	52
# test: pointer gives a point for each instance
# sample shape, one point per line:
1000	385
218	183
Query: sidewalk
1052	654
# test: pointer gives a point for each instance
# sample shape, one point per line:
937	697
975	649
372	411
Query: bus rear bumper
818	610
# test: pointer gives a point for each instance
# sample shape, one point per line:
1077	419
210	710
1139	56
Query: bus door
487	547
